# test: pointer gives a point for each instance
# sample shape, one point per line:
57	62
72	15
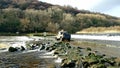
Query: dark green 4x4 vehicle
63	36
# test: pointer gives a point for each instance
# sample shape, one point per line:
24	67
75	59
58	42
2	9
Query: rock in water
12	49
22	48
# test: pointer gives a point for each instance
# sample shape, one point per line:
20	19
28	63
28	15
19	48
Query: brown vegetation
35	16
111	29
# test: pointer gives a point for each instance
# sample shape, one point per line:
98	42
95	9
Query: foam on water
48	56
50	53
14	41
113	46
24	38
28	51
58	60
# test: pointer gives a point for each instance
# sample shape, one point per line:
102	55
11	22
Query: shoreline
103	48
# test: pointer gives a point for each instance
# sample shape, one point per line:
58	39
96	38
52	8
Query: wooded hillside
26	16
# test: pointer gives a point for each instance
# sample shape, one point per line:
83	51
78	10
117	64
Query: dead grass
112	29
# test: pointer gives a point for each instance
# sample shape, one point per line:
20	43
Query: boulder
68	64
98	66
22	48
88	49
42	47
12	49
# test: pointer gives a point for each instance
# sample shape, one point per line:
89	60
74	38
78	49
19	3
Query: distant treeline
34	16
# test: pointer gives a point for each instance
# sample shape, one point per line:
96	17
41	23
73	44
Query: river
108	39
32	58
36	55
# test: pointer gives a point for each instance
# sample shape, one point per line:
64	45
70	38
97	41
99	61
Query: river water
39	59
111	40
14	39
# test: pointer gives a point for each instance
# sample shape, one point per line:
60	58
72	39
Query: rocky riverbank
51	54
79	57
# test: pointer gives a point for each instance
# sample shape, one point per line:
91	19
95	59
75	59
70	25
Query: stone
22	48
12	49
88	49
42	47
98	66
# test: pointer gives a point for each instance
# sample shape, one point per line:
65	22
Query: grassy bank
112	29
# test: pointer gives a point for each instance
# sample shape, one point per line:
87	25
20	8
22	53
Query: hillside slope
35	16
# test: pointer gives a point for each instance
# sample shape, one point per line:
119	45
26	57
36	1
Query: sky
110	7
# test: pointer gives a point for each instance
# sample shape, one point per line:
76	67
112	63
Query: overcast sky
111	7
